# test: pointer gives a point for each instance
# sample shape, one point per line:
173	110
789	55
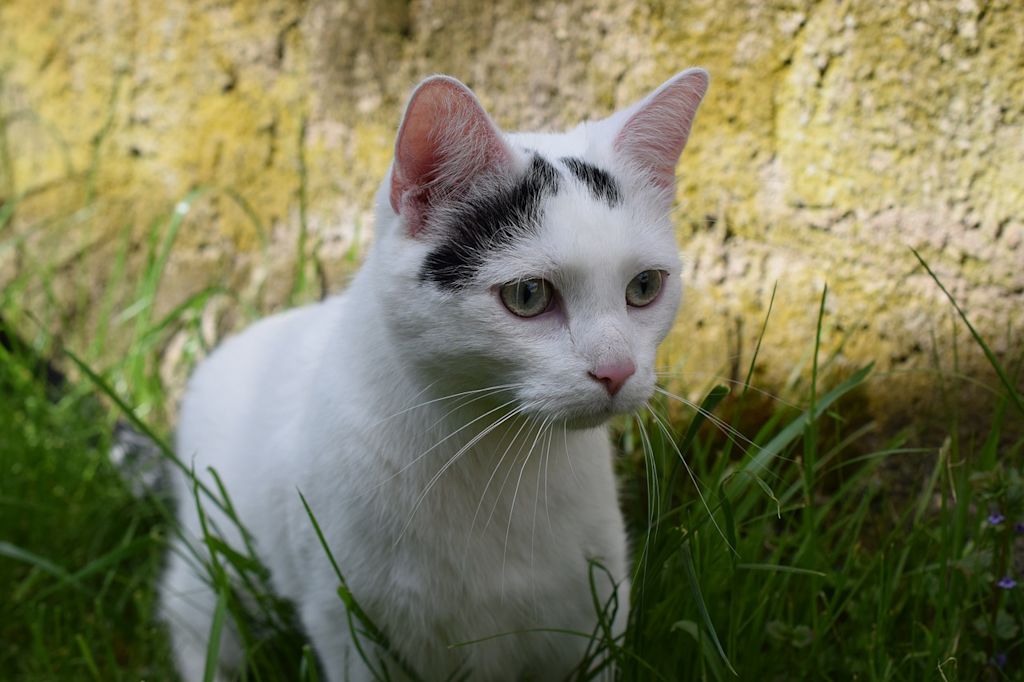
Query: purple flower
1006	583
995	518
999	660
1019	527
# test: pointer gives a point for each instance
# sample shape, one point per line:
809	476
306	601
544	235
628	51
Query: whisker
515	495
533	525
487	486
436	445
568	457
653	499
489	390
418	394
511	466
473	441
726	428
734	382
547	461
693	477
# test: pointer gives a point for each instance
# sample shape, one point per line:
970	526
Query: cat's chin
594	418
588	421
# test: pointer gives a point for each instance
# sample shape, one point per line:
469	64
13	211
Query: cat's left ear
656	129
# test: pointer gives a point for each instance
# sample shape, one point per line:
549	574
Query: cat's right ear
445	142
656	129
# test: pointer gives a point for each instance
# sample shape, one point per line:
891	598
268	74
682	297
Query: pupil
528	290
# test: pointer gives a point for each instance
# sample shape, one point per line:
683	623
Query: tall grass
769	545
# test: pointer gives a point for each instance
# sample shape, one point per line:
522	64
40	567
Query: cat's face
543	266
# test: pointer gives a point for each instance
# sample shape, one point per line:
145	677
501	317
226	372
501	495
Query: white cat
444	416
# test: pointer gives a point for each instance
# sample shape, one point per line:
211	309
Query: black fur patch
490	223
601	184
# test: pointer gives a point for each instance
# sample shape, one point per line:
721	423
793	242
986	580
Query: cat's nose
613	375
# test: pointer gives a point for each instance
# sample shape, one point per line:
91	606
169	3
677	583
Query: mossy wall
837	135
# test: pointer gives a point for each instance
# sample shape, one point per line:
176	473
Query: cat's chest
501	532
487	586
473	616
488	529
503	525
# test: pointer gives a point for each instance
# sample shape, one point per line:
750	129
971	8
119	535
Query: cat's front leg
187	604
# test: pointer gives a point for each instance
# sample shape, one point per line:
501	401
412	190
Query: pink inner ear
655	135
414	157
446	140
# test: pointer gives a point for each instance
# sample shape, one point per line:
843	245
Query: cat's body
452	450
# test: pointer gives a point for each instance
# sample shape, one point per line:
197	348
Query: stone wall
836	136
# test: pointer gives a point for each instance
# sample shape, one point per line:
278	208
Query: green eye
527	297
644	288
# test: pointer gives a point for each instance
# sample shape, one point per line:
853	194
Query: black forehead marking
602	185
488	223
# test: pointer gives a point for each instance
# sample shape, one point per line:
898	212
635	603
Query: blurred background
836	136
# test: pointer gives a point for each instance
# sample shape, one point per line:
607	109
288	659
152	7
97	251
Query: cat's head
542	263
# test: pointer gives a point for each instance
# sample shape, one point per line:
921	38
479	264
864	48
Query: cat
444	417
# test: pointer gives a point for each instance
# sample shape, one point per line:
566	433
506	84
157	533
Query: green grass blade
698	599
42	563
796	427
90	662
810	441
250	213
769	493
111	558
757	345
605	612
144	428
353	609
992	359
322	539
707	406
216	630
308	671
6	212
777	568
707	647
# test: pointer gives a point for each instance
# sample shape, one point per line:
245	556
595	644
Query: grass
769	542
77	553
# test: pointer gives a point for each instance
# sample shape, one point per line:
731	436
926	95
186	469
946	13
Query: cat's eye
527	297
644	288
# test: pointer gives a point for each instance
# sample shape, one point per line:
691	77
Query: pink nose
614	375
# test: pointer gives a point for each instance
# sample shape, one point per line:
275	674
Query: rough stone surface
837	135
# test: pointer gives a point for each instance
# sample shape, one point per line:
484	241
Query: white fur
445	532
